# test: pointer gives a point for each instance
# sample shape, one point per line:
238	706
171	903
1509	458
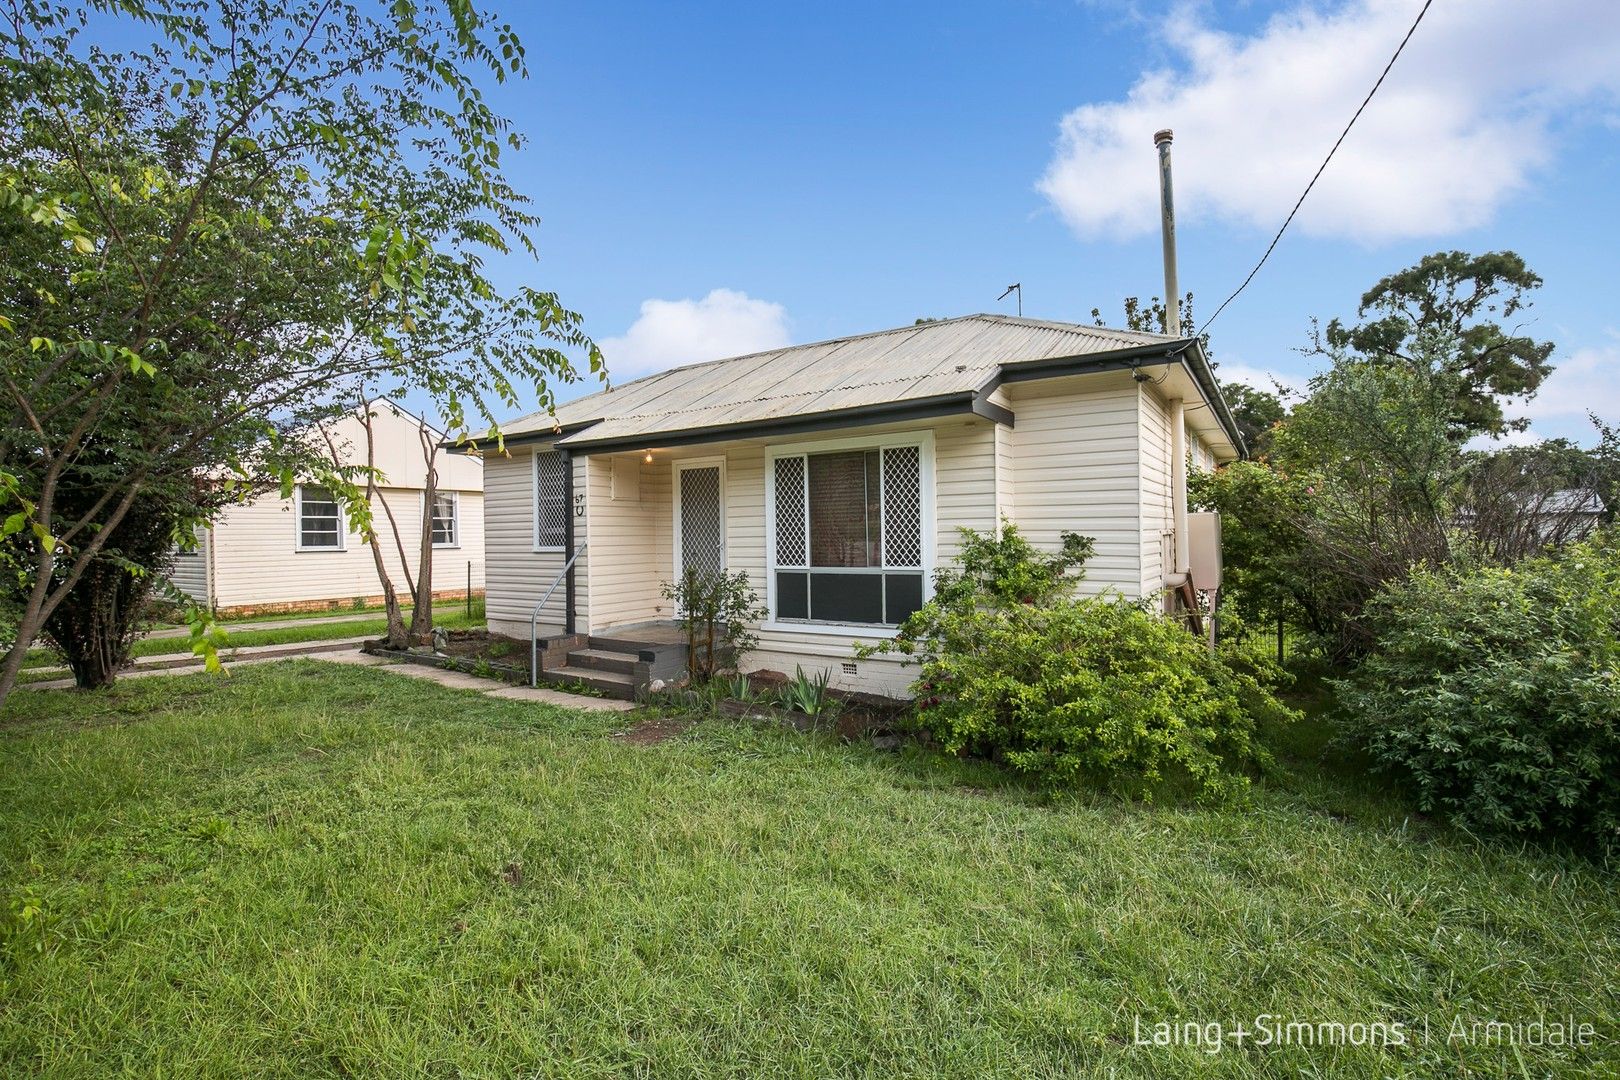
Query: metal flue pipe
1167	218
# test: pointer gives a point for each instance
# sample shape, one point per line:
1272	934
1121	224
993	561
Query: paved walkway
460	680
347	651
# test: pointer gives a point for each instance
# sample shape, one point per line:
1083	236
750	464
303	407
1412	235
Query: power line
1272	246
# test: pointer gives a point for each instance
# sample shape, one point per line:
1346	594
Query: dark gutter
888	412
479	443
1085	363
1204	375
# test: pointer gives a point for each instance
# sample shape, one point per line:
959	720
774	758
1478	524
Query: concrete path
186	663
460	680
347	651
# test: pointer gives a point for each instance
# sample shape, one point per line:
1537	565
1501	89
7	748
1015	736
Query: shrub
1074	690
716	610
1496	693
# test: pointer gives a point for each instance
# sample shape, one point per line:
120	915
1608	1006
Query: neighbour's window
849	535
320	519
444	519
550	499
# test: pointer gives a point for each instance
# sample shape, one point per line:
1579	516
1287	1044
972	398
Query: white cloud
1465	120
669	333
1587	381
1229	371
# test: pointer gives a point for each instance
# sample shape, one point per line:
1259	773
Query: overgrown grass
312	870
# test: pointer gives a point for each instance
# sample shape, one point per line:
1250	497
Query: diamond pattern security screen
550	499
849	536
320	522
703	544
790	549
902	506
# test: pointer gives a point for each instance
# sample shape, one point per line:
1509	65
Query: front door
700	516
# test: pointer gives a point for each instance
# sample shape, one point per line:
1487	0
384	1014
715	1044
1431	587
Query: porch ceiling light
646	459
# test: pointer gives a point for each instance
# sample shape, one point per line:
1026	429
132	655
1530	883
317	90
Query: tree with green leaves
1471	301
253	214
1256	412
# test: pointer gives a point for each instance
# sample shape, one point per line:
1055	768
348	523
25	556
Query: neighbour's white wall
518	575
1077	468
257	561
188	570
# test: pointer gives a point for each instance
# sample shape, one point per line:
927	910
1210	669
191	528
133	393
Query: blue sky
838	168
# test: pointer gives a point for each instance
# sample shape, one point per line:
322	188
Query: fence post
469	590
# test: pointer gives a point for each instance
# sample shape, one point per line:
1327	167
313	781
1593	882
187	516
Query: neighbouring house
274	554
838	476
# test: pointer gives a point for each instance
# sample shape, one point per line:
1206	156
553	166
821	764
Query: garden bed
853	717
473	652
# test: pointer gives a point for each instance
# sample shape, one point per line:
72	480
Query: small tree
419	586
227	232
717	611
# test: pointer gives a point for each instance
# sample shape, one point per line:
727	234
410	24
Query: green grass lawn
451	618
443	607
312	870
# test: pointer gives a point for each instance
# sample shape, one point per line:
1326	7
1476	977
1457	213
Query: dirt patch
652	731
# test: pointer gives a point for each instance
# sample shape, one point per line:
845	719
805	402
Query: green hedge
1496	693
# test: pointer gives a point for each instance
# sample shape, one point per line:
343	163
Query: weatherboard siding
518	575
1156	510
256	561
1078	462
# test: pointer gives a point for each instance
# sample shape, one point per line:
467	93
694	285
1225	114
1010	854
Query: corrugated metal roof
909	363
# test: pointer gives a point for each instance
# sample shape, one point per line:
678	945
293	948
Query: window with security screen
848	535
550	499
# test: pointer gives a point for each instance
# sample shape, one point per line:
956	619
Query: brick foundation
336	607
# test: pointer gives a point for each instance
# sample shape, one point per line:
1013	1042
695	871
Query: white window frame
678	466
298	524
534	497
924	442
455	518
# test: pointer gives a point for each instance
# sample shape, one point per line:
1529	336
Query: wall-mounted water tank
1204	547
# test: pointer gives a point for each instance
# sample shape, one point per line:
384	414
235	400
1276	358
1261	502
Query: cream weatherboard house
837	475
275	554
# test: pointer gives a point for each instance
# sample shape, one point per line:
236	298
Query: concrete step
603	660
621	645
615	684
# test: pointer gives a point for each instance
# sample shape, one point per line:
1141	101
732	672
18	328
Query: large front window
849	535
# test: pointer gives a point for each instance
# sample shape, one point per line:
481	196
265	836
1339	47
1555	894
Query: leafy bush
1497	692
1077	689
716	610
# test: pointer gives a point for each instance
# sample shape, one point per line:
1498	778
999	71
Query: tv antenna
1015	287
